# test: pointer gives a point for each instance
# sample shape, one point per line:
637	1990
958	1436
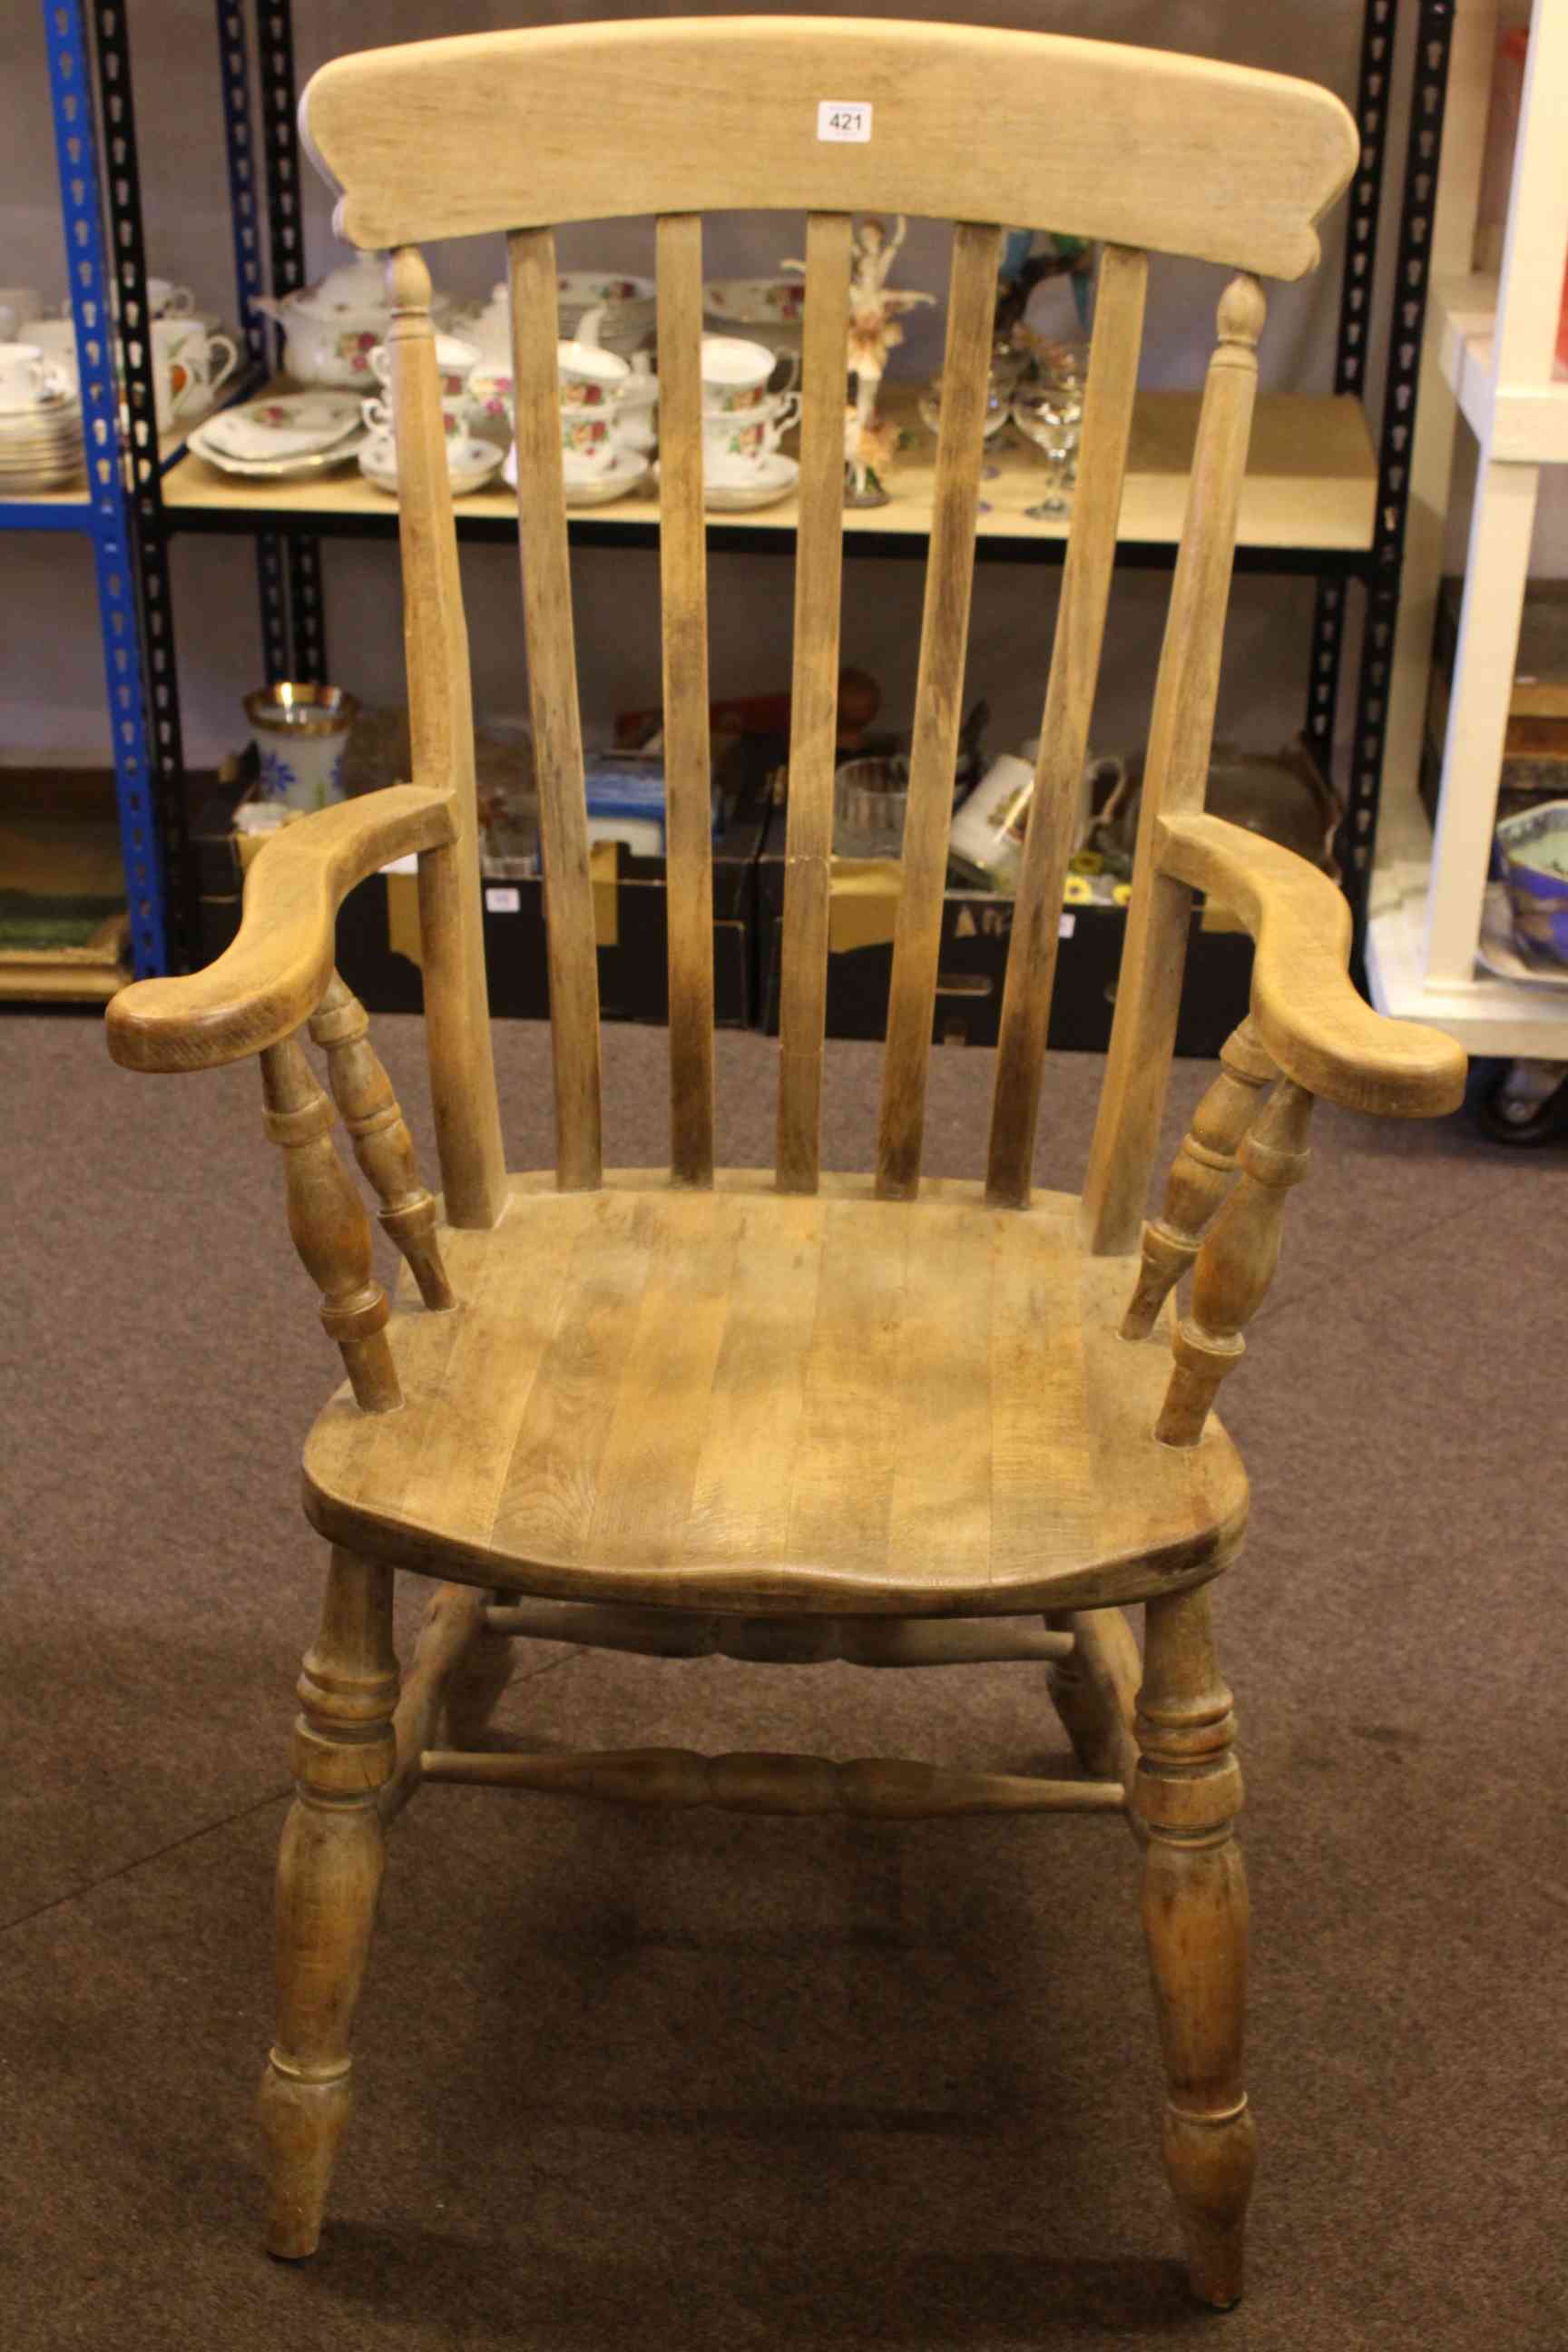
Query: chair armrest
1314	1025
272	976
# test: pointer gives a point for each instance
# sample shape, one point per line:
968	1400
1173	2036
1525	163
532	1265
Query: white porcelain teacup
588	444
27	376
186	370
377	415
734	375
637	410
589	377
735	446
455	363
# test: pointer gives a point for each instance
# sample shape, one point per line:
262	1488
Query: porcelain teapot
331	329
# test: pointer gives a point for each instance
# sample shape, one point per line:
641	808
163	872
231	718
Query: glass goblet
1051	417
998	395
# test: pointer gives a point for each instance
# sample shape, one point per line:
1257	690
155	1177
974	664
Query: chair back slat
1175	776
1064	728
683	578
552	701
813	700
441	729
933	753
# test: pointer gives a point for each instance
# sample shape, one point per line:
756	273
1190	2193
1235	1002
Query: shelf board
1526	424
1310	491
46	510
1485	1014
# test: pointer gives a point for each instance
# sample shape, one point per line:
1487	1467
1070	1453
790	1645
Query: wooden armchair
792	1415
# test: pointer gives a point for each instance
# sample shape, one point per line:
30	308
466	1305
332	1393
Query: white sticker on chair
846	121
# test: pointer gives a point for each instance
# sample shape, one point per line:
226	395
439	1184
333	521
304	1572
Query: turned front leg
382	1143
1200	1176
327	1219
1188	1794
328	1875
1236	1264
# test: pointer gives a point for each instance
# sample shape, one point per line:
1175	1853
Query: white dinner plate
290	425
277	469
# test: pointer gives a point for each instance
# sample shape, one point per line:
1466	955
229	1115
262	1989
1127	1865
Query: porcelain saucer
628	471
470	464
775	478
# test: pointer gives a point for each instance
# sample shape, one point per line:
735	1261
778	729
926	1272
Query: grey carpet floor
696	2083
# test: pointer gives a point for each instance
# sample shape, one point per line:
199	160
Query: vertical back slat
1064	728
553	700
1175	776
683	568
813	703
441	726
944	642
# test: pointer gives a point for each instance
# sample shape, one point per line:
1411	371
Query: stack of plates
625	306
40	446
287	438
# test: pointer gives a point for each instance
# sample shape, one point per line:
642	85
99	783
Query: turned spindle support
1201	1176
882	1787
329	1877
382	1143
1236	1262
330	1228
1188	1794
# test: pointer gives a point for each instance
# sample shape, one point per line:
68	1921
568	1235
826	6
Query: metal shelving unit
102	512
1328	502
1489	361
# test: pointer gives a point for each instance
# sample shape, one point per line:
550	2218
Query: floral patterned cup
455	363
734	444
590	378
587	444
734	376
377	415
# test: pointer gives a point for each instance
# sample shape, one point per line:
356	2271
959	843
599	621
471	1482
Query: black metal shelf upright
288	548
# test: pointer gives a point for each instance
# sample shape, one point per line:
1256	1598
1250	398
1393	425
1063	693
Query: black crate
976	927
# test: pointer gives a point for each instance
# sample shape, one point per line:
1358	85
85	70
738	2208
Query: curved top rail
522	130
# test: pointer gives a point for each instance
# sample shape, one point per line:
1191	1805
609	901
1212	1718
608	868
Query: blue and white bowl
1532	849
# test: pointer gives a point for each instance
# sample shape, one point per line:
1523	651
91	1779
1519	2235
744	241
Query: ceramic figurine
873	331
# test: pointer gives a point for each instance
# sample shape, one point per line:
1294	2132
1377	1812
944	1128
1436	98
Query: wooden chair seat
741	1398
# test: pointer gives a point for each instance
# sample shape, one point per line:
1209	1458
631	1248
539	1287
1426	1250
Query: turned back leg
1188	1794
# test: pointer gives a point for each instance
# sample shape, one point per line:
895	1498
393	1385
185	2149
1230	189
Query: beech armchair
796	1414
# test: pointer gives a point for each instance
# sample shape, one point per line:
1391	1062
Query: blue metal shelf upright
102	511
120	510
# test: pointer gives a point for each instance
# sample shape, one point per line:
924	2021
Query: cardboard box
1535	742
378	925
976	928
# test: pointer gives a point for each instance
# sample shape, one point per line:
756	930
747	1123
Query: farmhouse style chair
796	1415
